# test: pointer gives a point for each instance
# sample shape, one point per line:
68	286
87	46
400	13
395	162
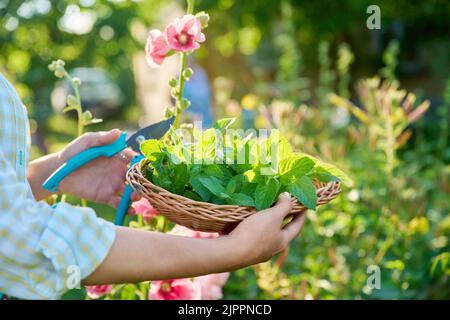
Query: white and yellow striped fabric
41	247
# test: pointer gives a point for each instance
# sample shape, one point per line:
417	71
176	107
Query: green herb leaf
266	194
305	192
198	186
338	173
295	165
223	124
241	199
213	185
180	178
231	186
150	148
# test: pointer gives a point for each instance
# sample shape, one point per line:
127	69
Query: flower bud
60	62
187	73
52	66
203	17
170	111
60	72
174	92
184	104
72	101
173	82
76	81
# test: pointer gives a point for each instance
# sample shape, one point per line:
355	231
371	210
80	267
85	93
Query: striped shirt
43	249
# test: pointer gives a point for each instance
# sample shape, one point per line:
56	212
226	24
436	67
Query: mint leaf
295	165
180	178
151	148
250	175
266	194
198	186
338	173
231	186
192	195
322	175
305	192
241	199
213	185
223	124
278	143
214	170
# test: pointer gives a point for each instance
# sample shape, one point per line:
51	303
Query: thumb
101	138
283	206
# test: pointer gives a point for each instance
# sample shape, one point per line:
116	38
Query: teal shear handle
125	201
52	183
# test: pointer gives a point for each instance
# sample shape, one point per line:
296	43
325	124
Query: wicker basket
209	217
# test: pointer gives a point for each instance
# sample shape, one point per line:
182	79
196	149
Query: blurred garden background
374	102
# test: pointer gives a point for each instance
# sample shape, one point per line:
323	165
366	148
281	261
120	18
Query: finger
292	229
126	155
283	206
129	153
94	139
108	137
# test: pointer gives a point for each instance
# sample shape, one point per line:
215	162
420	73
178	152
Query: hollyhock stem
179	111
183	62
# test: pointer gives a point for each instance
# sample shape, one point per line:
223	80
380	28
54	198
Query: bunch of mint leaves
236	170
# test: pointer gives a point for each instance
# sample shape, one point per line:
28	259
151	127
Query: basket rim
337	184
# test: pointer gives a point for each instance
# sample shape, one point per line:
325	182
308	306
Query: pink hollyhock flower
211	285
178	289
184	34
183	231
95	292
144	208
156	48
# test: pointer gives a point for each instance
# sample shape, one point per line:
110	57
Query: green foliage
214	178
390	59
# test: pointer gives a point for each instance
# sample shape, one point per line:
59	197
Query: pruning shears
154	131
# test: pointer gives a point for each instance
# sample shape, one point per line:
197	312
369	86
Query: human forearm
39	170
138	255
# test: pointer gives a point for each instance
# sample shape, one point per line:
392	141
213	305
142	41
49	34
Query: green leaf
192	195
338	173
250	175
150	148
213	185
305	192
231	186
72	101
241	199
279	144
266	194
295	165
214	170
180	178
322	175
198	186
223	124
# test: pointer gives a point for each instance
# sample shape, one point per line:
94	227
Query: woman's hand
262	235
101	180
